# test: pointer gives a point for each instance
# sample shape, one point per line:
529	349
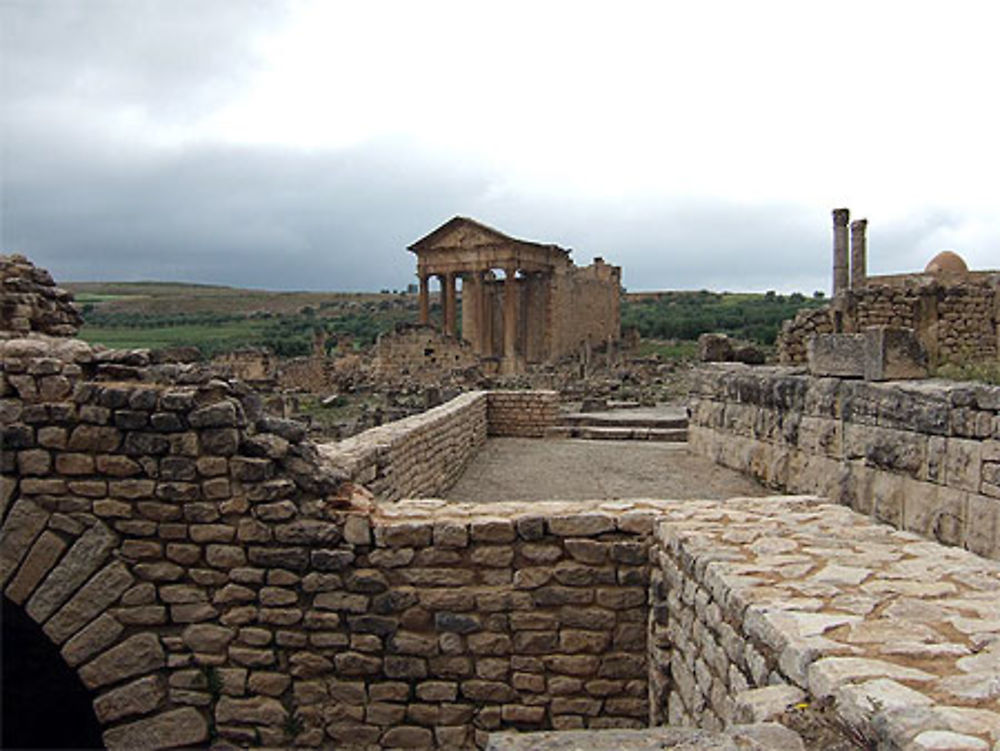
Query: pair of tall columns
448	301
852	274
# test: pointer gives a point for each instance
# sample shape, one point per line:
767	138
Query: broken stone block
893	353
714	348
841	355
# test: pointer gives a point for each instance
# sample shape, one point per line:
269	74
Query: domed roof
946	262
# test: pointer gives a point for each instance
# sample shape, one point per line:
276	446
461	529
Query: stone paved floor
525	469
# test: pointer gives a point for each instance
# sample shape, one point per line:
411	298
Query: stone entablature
544	308
921	455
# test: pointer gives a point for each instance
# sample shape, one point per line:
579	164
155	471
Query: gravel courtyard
524	469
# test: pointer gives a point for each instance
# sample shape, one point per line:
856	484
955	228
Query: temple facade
522	302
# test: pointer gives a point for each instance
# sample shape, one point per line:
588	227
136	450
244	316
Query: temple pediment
462	233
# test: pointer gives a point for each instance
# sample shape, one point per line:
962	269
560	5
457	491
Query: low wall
921	455
419	456
760	605
522	413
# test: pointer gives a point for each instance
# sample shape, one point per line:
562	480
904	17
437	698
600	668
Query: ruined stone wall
923	456
762	605
31	301
525	414
418	456
421	353
211	577
956	321
585	307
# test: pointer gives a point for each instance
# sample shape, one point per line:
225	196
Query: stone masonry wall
956	322
527	414
212	578
418	456
31	301
923	455
760	605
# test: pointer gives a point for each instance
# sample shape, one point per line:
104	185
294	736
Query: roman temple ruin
543	308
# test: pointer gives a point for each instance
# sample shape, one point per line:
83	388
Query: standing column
470	307
841	277
425	303
509	319
485	315
859	254
450	316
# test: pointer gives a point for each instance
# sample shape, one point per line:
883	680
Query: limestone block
138	654
82	559
841	355
178	727
893	354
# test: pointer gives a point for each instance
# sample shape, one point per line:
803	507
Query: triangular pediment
461	233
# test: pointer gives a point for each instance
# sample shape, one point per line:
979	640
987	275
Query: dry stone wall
955	321
762	604
212	577
418	456
526	414
921	455
31	301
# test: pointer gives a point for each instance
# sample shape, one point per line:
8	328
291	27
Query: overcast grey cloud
300	145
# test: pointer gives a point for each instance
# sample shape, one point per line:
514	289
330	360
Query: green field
218	319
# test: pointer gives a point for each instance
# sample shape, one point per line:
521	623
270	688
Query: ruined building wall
423	455
31	301
585	307
418	456
923	456
526	414
211	577
421	353
956	321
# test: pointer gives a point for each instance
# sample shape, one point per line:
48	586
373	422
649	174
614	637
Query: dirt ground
525	469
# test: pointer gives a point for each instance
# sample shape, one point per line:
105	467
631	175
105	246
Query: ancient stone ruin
544	308
954	312
211	577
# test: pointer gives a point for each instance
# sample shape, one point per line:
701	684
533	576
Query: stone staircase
659	424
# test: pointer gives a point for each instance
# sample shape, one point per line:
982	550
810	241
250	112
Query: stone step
672	435
584	419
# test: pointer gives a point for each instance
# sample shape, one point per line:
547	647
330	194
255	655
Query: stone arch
66	573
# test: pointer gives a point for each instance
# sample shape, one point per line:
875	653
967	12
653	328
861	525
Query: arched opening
44	703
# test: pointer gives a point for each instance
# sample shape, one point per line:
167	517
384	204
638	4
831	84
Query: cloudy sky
304	145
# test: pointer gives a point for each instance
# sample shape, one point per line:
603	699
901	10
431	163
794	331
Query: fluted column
841	276
425	303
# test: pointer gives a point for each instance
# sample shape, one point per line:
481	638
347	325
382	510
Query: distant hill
217	318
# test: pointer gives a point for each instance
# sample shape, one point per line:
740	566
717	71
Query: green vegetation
215	320
985	371
687	315
220	319
668	350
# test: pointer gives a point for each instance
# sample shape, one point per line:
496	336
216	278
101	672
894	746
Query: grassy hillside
218	319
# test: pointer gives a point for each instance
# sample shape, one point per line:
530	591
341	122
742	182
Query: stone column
470	307
510	320
485	315
425	302
450	316
859	254
841	275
